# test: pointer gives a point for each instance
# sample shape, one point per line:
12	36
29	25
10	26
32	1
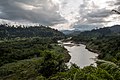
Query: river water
80	55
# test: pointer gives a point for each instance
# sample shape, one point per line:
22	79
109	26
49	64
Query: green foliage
52	64
20	70
96	34
105	42
109	47
87	73
112	69
36	56
9	32
46	66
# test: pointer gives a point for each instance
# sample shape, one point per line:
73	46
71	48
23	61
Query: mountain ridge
7	31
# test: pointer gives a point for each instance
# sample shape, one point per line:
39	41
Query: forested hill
105	41
7	31
115	28
98	33
107	31
41	58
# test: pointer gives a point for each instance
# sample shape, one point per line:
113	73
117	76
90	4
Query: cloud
88	13
94	13
36	11
61	14
100	13
117	2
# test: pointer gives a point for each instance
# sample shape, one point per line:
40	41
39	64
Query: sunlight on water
80	55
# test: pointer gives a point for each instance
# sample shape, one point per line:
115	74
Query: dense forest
97	34
8	32
105	42
32	53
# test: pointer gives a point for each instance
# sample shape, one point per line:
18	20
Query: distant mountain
106	31
7	31
71	32
67	31
97	32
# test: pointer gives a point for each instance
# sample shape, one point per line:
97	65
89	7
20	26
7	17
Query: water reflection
80	55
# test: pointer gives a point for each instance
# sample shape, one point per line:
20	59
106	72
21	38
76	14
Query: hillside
39	57
98	33
7	31
115	29
104	41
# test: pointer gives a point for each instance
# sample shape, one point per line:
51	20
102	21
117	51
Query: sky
61	14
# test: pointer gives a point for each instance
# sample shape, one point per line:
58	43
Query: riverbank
79	54
92	50
87	47
66	55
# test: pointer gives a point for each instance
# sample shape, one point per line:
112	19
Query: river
80	55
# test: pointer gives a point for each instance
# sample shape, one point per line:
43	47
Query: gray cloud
98	16
91	16
94	15
88	15
36	11
117	2
100	13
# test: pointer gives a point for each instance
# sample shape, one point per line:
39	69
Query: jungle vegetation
32	53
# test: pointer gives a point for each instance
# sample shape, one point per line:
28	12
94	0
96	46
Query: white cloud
94	12
61	14
87	12
36	11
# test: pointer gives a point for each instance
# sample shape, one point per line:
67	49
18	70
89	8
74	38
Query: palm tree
116	11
